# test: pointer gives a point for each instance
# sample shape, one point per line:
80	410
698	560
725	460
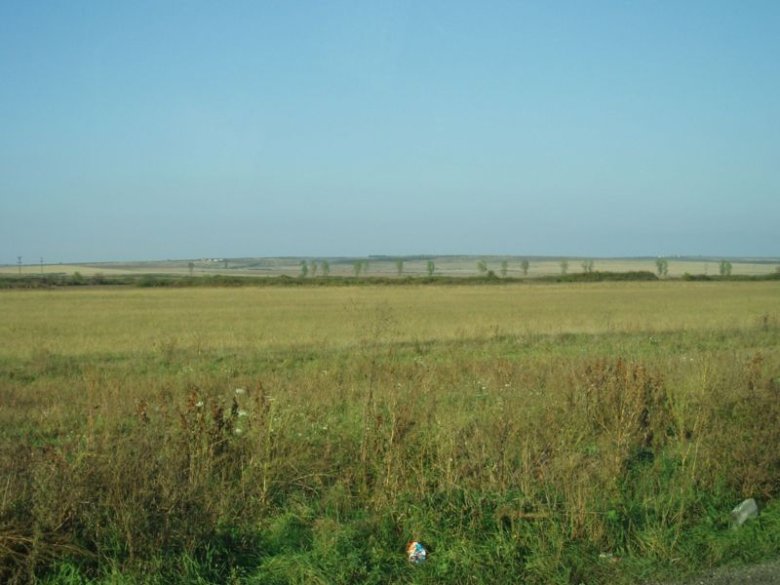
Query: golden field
78	321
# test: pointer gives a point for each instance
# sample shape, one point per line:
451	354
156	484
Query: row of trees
662	267
482	268
312	267
360	267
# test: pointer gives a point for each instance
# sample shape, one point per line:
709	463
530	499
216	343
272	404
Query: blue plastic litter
416	552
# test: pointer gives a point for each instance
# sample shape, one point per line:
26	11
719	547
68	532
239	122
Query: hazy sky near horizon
173	129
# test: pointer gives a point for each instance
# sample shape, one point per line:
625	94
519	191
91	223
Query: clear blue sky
171	129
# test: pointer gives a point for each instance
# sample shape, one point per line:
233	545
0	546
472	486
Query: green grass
595	433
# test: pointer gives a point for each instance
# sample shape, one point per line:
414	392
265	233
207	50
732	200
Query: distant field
75	322
447	266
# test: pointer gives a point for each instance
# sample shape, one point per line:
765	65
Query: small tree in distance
482	267
360	267
399	266
430	267
304	269
191	266
564	264
725	268
325	268
524	265
662	267
504	268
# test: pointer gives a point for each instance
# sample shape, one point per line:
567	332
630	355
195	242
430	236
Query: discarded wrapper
416	552
744	512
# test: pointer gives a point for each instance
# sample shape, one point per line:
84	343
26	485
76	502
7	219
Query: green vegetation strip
162	280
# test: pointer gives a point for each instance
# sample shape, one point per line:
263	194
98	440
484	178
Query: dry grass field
525	433
105	320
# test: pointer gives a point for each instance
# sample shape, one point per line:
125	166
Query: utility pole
19	262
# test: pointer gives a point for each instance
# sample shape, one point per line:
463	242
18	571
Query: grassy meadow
524	433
